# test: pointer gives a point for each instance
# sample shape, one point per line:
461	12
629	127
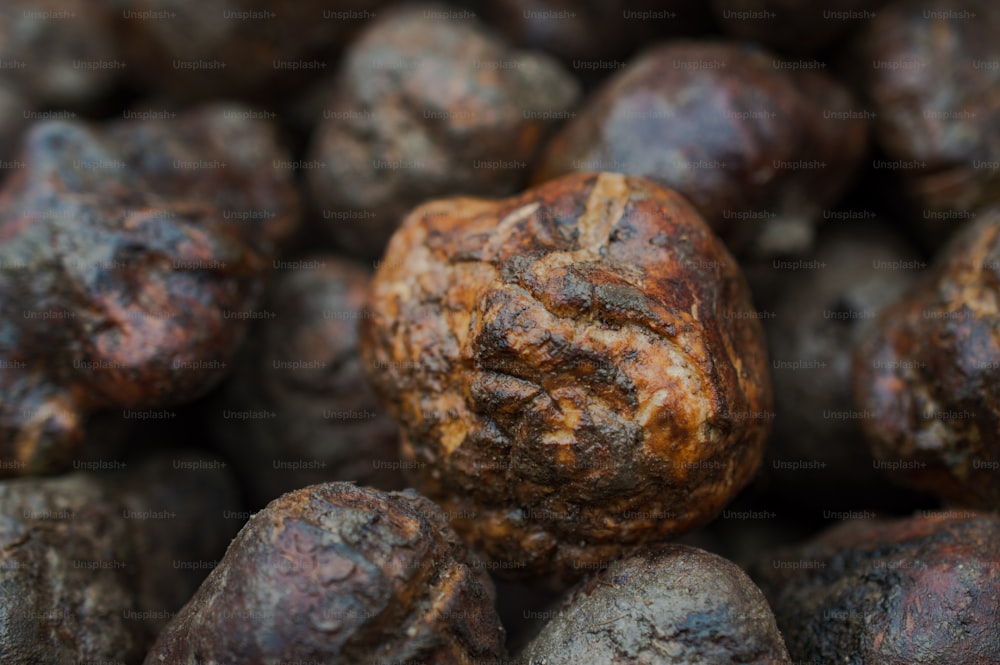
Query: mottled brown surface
424	107
286	428
928	372
917	591
569	368
199	49
673	605
335	574
583	29
935	85
794	26
87	561
717	122
117	268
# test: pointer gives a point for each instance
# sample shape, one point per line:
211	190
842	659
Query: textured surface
917	591
339	574
286	428
673	605
573	368
120	257
745	142
928	373
423	107
88	562
929	70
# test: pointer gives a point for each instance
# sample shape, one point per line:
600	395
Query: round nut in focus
919	590
342	575
424	107
573	369
672	605
930	71
298	409
759	151
929	374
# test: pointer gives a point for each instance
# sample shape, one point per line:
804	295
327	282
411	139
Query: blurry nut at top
923	589
929	374
669	605
339	574
297	409
572	369
425	106
930	70
123	250
801	27
758	150
200	49
59	53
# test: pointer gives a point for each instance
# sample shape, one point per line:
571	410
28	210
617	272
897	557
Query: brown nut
929	70
927	373
743	140
672	605
573	369
297	409
121	252
919	590
92	565
424	107
337	574
58	53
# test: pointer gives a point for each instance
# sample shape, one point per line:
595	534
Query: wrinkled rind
927	372
938	112
135	259
422	107
671	605
570	369
729	135
315	320
81	564
916	590
342	574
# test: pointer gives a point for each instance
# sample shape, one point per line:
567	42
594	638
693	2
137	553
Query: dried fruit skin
720	124
572	369
929	70
120	259
673	605
928	373
339	574
87	565
917	591
320	423
424	107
